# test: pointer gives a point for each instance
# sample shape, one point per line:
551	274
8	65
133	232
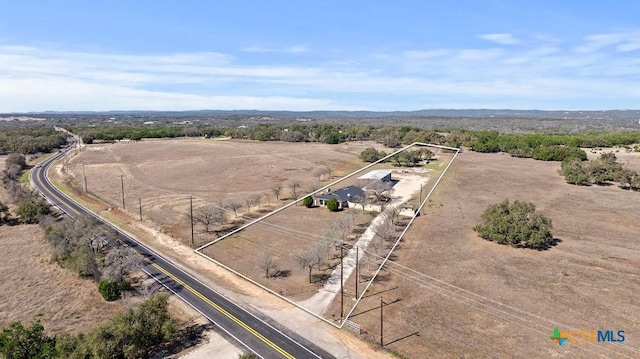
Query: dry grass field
164	173
453	294
34	288
448	292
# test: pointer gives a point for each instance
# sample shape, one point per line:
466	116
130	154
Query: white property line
339	326
384	261
300	199
178	267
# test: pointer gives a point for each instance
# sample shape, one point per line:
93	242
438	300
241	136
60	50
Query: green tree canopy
308	201
517	224
18	342
332	204
370	154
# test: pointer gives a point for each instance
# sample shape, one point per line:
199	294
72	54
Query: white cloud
539	73
503	39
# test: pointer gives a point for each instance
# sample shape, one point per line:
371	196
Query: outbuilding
377	175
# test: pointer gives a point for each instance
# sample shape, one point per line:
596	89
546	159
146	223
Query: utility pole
357	270
122	184
140	205
420	201
341	282
84	179
381	323
191	216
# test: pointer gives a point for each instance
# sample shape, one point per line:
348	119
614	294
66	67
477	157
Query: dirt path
338	343
407	186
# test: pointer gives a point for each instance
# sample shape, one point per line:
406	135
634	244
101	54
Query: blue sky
318	55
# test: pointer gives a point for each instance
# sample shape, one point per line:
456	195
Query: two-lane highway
250	331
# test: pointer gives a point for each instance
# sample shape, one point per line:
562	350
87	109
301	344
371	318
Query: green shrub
332	205
110	290
308	202
517	224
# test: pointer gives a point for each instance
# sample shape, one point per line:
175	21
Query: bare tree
328	171
209	215
321	250
313	186
234	205
306	260
255	199
120	262
319	173
392	212
361	200
384	230
268	264
277	189
248	202
343	226
148	288
294	186
379	190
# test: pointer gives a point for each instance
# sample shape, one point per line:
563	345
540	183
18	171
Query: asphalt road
250	331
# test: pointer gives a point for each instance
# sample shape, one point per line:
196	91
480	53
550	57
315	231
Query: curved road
250	331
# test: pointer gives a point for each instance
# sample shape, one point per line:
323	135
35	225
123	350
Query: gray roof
343	194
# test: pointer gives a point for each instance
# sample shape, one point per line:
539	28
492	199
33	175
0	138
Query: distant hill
468	113
503	120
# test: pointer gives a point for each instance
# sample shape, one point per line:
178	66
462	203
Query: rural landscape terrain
442	289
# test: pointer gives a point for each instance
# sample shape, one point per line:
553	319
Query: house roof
343	194
375	175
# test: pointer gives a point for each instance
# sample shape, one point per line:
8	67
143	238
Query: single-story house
377	175
343	196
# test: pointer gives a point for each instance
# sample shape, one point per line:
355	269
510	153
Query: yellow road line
198	294
227	314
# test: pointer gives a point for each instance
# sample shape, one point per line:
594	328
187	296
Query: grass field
448	292
164	173
453	294
34	288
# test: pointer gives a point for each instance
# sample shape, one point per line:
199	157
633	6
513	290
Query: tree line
30	139
601	171
131	334
547	147
30	206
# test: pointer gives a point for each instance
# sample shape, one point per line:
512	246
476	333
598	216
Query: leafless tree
343	226
379	190
322	249
120	262
234	205
319	173
384	230
255	199
209	215
323	172
313	186
392	212
268	264
306	260
277	189
294	186
148	288
248	202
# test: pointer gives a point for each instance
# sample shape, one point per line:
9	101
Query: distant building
344	196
